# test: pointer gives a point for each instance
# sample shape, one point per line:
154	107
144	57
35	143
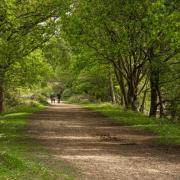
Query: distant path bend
101	149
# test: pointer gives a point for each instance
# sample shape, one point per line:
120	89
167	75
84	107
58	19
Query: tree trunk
129	93
141	109
132	95
112	92
161	109
122	87
133	102
154	80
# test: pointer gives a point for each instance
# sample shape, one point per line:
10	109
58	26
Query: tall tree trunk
129	93
132	96
133	101
120	81
161	109
154	81
141	109
112	92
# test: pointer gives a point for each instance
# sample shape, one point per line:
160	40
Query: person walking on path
52	97
59	97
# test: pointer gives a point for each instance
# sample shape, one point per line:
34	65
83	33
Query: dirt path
100	149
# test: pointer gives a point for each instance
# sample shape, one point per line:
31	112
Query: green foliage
137	38
23	78
57	52
123	51
78	99
24	28
32	70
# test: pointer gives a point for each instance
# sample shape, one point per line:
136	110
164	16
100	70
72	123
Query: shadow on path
100	148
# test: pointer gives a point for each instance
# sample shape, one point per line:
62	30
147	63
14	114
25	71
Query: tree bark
129	91
141	109
161	108
122	87
132	96
112	92
154	80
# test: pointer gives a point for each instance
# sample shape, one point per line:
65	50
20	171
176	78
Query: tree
59	57
111	32
26	77
136	38
93	83
162	45
24	27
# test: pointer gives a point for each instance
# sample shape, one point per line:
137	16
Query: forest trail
101	149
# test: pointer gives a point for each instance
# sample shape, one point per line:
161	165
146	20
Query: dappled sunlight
93	143
102	158
60	59
68	137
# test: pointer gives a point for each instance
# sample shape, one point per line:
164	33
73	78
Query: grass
166	132
22	158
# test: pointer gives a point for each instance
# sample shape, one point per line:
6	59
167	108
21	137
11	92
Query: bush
78	99
40	98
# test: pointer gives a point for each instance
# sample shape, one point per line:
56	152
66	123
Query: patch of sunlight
74	126
102	157
68	137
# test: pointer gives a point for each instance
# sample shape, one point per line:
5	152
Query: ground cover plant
20	155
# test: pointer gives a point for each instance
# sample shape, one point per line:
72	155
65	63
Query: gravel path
101	149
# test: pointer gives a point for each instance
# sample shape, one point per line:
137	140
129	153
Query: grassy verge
166	131
20	156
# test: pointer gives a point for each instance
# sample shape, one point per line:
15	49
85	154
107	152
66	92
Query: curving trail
101	149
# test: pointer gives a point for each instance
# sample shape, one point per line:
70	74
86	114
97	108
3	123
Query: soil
101	149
